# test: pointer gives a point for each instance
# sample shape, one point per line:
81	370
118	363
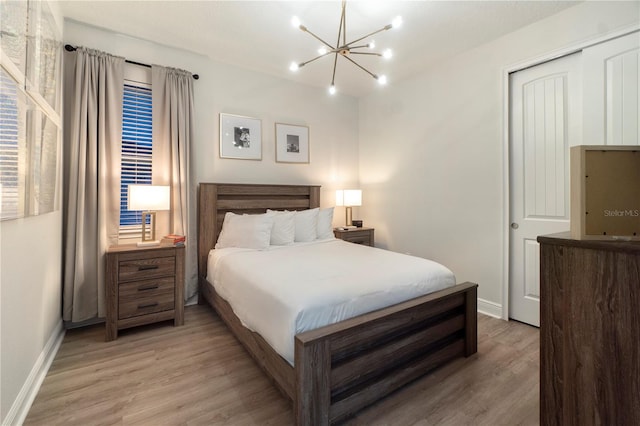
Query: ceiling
258	35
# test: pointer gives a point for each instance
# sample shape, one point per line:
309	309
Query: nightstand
357	235
143	285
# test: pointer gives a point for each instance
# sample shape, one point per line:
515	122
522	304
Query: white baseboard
490	308
21	406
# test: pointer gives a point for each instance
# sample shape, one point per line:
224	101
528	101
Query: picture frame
240	137
292	143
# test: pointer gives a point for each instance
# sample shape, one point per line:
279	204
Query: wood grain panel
552	281
590	357
130	270
405	313
313	386
382	356
145	297
346	407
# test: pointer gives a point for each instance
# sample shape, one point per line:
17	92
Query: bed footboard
345	367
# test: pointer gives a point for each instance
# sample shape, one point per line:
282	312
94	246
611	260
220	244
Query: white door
588	98
612	92
545	120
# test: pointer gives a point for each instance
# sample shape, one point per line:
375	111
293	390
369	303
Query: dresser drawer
146	297
130	270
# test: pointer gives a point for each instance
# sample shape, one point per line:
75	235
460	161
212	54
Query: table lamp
148	198
348	198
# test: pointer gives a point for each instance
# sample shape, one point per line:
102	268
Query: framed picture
240	137
292	143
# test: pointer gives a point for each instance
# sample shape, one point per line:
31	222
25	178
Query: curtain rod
70	48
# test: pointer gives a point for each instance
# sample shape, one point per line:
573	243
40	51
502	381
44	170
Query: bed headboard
216	199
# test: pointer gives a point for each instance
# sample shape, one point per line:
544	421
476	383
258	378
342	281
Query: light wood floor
199	374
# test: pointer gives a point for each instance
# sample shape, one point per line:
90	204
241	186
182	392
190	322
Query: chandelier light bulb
332	89
397	22
382	80
387	54
295	21
294	66
372	44
322	51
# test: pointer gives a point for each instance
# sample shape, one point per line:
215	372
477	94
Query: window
9	153
137	149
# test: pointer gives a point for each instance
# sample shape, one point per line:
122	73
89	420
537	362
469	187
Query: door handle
514	225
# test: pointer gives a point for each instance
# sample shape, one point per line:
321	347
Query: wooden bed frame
343	367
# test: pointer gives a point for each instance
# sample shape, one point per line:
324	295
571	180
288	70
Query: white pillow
246	231
284	227
325	224
306	225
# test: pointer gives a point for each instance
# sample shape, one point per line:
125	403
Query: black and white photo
292	143
240	137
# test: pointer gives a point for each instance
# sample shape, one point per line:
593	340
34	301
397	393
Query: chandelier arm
361	67
386	27
362	46
344	23
319	39
301	64
335	63
365	53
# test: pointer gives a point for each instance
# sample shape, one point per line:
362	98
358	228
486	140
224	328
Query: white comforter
286	290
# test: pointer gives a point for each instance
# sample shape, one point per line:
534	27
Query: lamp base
148	243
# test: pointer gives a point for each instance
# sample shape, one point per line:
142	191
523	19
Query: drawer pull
148	305
147	267
149	287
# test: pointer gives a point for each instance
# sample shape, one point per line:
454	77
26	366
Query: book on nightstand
176	240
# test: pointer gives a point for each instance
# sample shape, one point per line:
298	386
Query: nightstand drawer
146	268
146	297
358	235
358	238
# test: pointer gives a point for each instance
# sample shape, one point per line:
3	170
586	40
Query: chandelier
344	49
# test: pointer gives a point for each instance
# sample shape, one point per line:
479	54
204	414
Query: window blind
12	155
137	149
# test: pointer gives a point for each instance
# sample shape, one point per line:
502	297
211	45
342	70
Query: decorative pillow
306	225
325	224
247	231
284	227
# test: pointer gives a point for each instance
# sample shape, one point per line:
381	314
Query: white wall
431	149
332	121
30	292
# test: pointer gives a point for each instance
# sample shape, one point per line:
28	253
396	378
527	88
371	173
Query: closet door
548	114
545	120
611	80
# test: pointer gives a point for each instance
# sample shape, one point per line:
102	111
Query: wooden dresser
144	285
589	332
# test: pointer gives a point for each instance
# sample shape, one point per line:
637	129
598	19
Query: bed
340	368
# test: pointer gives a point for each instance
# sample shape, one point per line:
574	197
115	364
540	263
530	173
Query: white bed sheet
285	290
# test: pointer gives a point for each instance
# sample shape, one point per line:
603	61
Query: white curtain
92	139
173	116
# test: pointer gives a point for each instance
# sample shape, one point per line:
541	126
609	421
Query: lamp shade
148	197
349	197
